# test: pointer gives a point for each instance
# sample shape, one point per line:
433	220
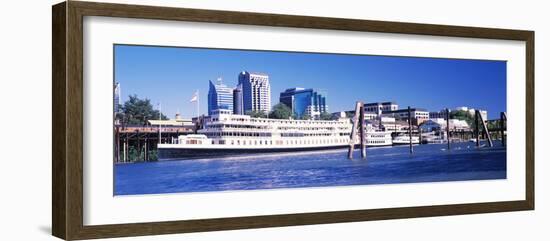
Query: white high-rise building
117	101
256	91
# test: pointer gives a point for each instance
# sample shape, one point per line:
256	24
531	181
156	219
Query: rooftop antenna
219	80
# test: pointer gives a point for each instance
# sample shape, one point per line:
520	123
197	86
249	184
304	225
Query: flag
195	97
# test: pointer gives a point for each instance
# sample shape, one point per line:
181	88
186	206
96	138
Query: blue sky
171	75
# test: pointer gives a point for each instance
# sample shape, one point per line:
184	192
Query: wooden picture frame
67	123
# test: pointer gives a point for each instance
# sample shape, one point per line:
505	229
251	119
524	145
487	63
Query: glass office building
238	108
220	97
304	102
256	91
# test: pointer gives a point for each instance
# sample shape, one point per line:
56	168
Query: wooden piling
146	149
353	135
123	151
502	138
126	148
362	131
138	146
448	132
476	132
117	141
485	129
419	135
410	130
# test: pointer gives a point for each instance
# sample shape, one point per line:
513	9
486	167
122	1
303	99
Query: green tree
136	111
281	111
325	116
256	114
133	154
494	124
463	115
305	116
153	155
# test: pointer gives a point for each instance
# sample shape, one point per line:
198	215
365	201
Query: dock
142	140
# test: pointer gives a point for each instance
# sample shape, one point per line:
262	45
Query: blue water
384	165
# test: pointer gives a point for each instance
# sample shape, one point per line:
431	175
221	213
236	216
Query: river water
384	165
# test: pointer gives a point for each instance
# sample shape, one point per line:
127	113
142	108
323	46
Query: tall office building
117	101
304	101
219	97
256	91
238	107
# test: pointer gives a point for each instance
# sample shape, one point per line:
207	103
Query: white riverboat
405	140
226	134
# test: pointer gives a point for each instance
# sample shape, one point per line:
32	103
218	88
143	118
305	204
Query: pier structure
143	140
486	133
502	126
481	129
497	131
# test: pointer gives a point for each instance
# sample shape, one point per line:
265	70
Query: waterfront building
458	125
219	97
472	111
304	102
117	101
177	121
371	116
440	124
483	114
238	108
379	107
438	114
387	119
256	91
394	125
351	113
418	115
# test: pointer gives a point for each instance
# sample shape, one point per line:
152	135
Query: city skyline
171	75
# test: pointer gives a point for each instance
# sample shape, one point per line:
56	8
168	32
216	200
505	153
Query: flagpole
198	104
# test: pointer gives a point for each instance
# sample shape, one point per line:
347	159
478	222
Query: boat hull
405	143
178	153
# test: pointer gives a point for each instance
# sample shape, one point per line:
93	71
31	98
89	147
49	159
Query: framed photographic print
171	120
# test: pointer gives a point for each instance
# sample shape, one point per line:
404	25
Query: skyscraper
304	101
238	108
256	91
116	100
219	97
